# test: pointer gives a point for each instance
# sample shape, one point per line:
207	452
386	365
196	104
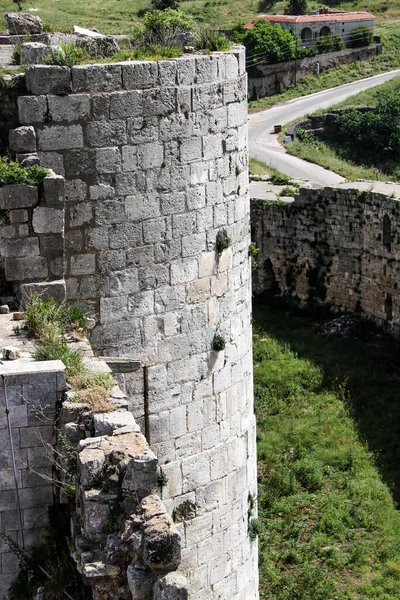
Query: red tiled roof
345	16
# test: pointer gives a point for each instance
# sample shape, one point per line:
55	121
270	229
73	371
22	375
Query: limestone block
106	133
22	139
96	506
32	109
54	189
22	247
23	23
100	46
126	104
25	268
186	70
60	137
161	543
173	586
140	582
33	53
107	423
96	78
46	79
48	220
141	473
83	264
68	108
90	462
18	196
139	74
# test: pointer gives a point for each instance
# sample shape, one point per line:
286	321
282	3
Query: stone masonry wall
33	390
32	236
155	160
267	80
338	247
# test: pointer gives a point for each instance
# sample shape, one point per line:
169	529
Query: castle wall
32	389
154	156
333	247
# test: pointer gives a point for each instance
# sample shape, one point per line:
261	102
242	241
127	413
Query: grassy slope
328	431
119	16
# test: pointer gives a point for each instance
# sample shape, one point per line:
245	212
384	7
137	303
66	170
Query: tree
163	4
361	36
297	7
269	43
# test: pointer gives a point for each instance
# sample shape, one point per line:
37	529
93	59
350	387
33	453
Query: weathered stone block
96	78
44	79
33	53
23	23
83	264
18	196
126	104
21	247
161	544
22	139
139	74
140	582
25	268
173	586
96	510
90	462
54	189
68	108
141	472
107	423
106	133
48	289
32	109
60	137
48	220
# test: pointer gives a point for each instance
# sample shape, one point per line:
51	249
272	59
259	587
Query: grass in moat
328	417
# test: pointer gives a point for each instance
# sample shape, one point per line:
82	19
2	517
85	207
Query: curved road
264	145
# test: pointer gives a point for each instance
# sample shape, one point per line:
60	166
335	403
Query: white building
310	27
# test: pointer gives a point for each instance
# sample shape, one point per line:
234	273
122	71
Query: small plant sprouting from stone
183	512
162	479
218	342
253	251
223	241
255	528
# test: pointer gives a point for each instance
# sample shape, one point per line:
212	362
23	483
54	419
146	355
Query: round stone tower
156	246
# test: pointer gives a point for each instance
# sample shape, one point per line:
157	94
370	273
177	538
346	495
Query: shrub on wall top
361	36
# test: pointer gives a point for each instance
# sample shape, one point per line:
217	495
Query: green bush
12	173
67	55
361	36
211	39
329	43
161	27
269	43
309	473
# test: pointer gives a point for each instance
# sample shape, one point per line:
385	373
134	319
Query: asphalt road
264	145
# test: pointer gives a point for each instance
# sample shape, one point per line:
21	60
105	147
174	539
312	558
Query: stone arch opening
387	232
325	31
306	34
389	307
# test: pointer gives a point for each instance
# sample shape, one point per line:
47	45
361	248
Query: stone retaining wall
334	247
154	156
267	80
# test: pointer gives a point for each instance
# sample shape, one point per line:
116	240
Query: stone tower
155	160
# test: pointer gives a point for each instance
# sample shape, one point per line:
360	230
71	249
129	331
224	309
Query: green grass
329	157
387	61
328	429
258	168
368	97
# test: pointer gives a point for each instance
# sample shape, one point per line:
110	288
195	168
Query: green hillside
120	16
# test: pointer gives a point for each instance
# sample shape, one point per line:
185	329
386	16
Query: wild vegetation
364	140
329	480
11	173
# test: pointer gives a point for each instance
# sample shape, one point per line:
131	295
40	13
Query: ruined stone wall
32	236
336	247
155	160
33	390
267	80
